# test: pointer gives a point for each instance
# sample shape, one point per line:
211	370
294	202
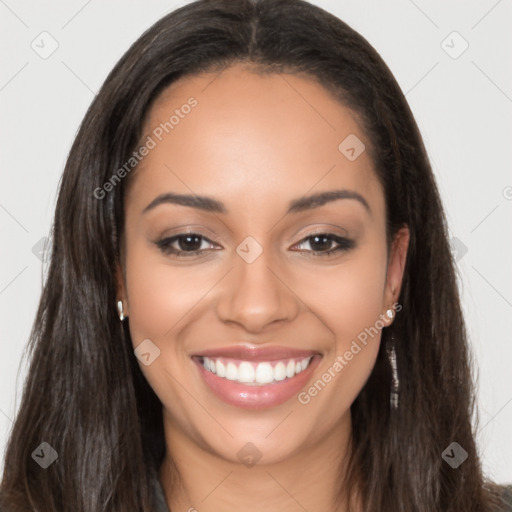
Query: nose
255	295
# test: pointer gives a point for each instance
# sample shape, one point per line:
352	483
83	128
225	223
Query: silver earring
395	382
390	313
120	310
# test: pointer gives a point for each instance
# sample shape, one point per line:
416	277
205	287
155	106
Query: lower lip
257	397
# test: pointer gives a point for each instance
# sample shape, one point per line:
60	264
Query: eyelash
344	244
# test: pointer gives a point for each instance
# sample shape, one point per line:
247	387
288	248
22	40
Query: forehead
252	139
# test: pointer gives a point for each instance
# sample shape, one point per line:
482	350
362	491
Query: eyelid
189	229
325	229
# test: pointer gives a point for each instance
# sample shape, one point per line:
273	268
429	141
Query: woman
251	302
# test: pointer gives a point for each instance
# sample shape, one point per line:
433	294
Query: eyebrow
209	204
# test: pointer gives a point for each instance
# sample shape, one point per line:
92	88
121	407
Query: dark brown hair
85	394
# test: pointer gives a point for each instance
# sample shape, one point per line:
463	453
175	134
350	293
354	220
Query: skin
254	143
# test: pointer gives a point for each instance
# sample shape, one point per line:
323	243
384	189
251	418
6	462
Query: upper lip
251	353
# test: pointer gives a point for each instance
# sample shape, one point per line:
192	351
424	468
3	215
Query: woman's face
288	295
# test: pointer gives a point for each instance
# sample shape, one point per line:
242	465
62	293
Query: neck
195	479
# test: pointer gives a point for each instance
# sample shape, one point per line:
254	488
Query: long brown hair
85	394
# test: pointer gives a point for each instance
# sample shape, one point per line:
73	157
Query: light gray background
463	106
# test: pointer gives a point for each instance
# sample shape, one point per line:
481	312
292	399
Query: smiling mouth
253	373
256	378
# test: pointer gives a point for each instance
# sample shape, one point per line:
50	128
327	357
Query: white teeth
245	372
221	369
264	373
210	365
231	371
256	373
280	371
290	369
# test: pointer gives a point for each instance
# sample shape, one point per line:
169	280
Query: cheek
347	298
160	295
162	299
358	302
349	303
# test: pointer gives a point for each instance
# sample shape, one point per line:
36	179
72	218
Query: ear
121	289
395	271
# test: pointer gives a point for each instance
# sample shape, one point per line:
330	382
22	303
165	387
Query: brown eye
182	245
321	244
